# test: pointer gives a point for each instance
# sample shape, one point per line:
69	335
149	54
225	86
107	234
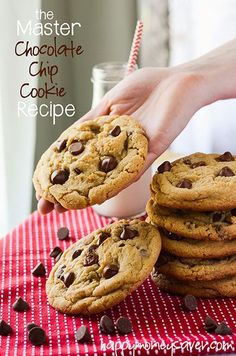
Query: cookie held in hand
91	162
106	269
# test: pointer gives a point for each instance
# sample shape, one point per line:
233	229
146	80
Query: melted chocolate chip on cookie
185	183
225	172
226	157
76	148
91	258
76	254
69	279
110	271
59	177
108	164
198	164
164	167
60	145
115	131
127	233
102	237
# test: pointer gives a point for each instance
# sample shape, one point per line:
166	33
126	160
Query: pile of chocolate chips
106	325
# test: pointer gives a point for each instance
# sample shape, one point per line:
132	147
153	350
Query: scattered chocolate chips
115	131
164	167
225	157
31	326
60	145
225	172
124	325
20	305
69	279
210	324
39	270
103	236
91	258
128	233
198	164
185	183
106	325
55	252
108	164
76	148
82	334
37	336
59	177
189	303
76	254
223	329
63	233
110	271
5	329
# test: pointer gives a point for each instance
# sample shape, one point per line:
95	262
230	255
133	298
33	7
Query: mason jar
131	201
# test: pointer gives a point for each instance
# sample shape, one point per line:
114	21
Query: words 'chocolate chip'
59	177
106	325
37	336
82	334
108	164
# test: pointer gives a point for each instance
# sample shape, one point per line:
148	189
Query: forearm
218	70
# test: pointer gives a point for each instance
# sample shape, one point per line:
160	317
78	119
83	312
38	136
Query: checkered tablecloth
159	325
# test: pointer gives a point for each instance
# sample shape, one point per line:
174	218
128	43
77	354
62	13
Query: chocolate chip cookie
217	225
203	289
91	162
191	248
101	269
193	269
201	182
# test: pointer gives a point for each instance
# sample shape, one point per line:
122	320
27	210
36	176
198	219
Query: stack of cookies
193	202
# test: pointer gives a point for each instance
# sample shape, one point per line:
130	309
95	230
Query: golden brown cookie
217	225
101	269
201	182
202	289
91	162
193	269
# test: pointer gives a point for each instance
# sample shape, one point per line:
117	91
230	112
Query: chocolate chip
60	271
115	131
108	164
92	247
77	171
124	325
122	245
90	259
55	252
76	148
110	271
189	303
58	257
37	336
39	270
20	305
103	236
226	157
69	279
128	233
76	254
82	334
106	325
63	233
31	326
233	212
210	324
187	161
216	217
198	164
59	177
60	145
164	167
225	172
5	329
223	329
185	183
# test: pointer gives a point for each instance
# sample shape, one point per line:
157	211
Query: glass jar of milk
131	201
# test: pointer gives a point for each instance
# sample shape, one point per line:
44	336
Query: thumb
102	108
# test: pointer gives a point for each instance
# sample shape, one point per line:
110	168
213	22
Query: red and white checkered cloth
159	325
